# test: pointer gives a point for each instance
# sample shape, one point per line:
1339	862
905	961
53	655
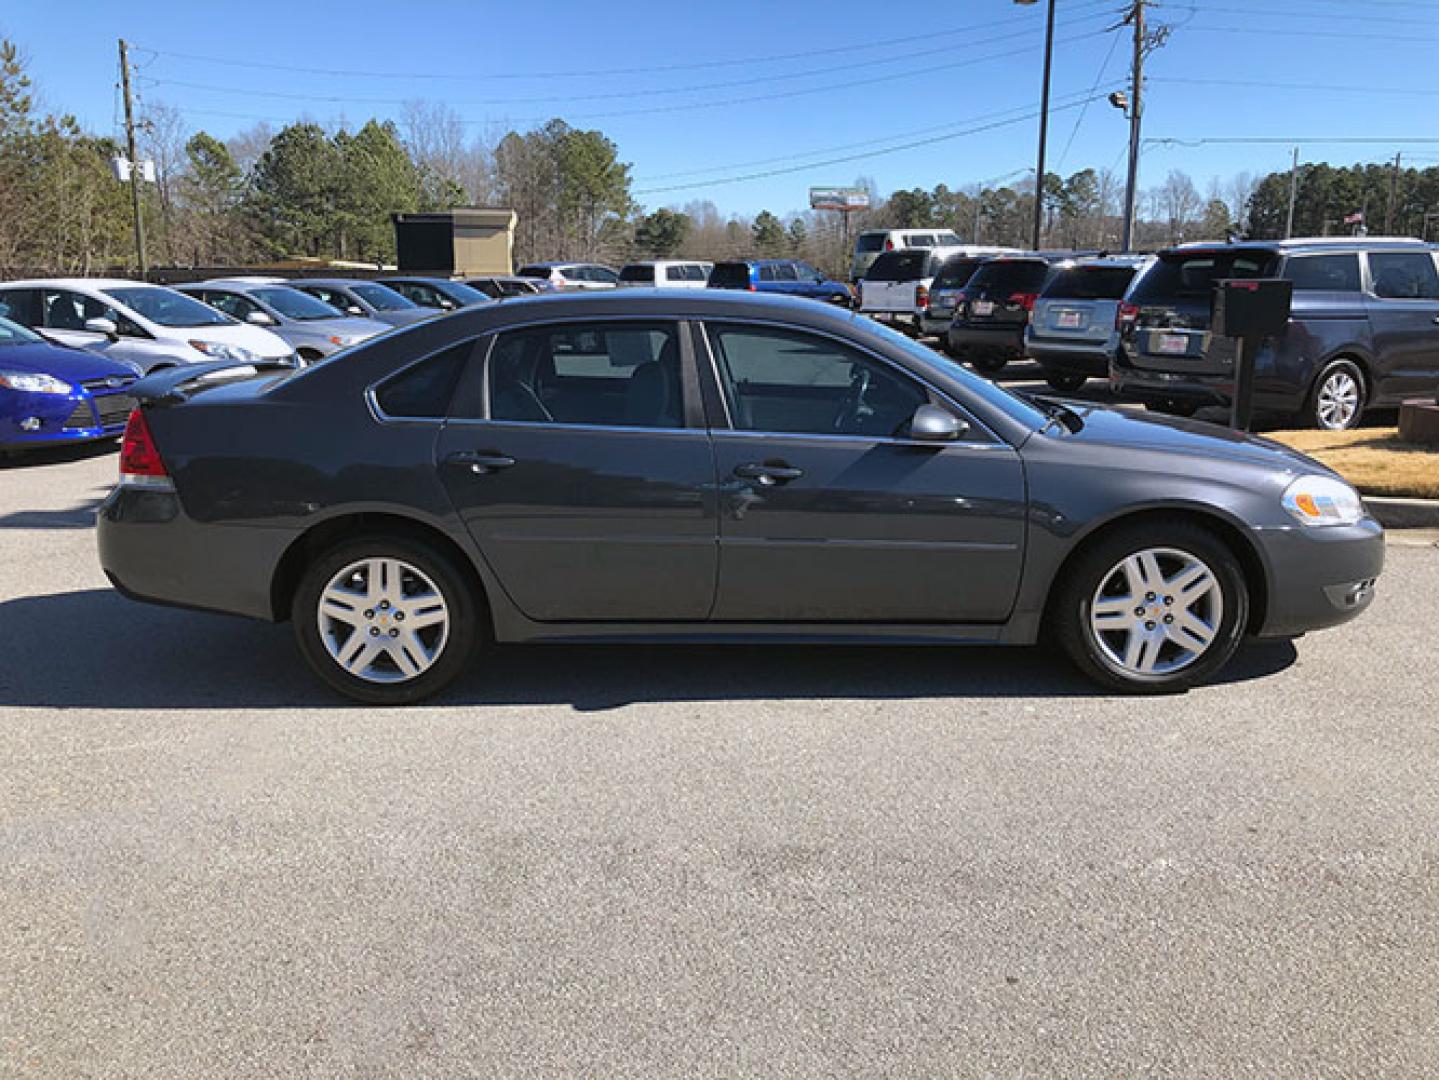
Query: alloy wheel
383	620
1337	403
1157	612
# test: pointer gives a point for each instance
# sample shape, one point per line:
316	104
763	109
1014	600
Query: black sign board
1252	307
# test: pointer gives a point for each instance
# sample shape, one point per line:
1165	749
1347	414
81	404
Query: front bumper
1319	577
151	550
28	419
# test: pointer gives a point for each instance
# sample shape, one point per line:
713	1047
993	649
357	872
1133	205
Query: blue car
789	277
53	394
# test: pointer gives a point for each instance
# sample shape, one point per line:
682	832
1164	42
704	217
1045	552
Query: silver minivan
1073	331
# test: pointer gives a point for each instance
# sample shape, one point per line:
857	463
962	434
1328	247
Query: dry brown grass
1372	459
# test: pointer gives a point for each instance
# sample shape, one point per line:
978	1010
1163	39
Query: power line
1346	35
1205	9
1309	87
1289	140
1079	120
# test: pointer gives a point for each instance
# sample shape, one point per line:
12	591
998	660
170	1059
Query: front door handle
768	474
479	462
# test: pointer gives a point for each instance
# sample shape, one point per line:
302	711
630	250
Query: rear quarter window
423	391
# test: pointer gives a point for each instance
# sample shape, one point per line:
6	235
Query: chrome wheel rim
1338	401
383	620
1157	612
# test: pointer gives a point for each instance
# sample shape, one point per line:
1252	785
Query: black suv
1364	329
993	310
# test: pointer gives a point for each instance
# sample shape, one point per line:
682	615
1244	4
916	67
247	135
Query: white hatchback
149	325
666	274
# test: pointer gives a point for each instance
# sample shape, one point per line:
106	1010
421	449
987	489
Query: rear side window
1324	273
1012	276
423	391
922	240
638	273
909	265
870	242
542	272
1090	283
1191	275
785	272
730	275
956	273
1404	275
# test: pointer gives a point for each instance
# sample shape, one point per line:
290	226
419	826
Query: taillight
921	296
752	287
139	456
1126	316
889	245
1024	299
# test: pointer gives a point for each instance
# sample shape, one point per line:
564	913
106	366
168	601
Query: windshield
294	304
1011	404
15	334
382	298
1090	283
166	307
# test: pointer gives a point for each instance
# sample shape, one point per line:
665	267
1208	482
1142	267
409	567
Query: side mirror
103	326
930	423
259	318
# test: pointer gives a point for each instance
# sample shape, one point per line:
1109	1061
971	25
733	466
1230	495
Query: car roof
333	282
1311	244
240	285
79	283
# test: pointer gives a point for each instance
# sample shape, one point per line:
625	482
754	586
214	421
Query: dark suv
993	310
1364	329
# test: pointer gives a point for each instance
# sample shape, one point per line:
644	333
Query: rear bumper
1082	357
151	550
1000	339
1319	577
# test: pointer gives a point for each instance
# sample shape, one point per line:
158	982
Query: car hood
71	365
1138	430
404	316
257	339
351	326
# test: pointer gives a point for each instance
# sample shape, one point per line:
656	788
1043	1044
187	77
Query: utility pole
1043	127
1393	196
1293	194
134	160
1136	112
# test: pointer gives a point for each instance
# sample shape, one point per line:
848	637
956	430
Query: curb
1404	513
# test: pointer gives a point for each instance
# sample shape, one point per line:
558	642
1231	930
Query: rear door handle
479	462
768	474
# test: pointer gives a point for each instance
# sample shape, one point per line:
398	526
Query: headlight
1323	500
217	350
33	383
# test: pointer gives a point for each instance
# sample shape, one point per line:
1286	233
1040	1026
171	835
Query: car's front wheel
1156	609
385	620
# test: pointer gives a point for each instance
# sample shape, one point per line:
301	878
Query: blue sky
816	93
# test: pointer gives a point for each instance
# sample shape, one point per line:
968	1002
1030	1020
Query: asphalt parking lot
701	862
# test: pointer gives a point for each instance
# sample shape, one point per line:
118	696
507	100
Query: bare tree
1240	191
163	137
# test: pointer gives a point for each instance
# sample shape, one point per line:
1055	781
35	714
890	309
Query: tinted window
1091	283
956	273
1193	274
901	266
603	274
381	297
783	381
730	275
624	374
534	271
166	307
870	242
638	273
21	305
1011	276
1404	275
424	391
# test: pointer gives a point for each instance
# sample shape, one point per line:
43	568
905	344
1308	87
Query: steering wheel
852	407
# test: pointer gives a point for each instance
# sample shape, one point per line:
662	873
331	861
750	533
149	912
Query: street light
1043	122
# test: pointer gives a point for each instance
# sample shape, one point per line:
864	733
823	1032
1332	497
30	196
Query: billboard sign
838	198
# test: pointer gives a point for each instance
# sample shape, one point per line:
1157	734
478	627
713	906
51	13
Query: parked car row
788	277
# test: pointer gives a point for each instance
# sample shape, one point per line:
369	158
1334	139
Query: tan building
468	240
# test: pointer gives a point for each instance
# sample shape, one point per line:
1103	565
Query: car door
64	313
578	459
828	513
1403	302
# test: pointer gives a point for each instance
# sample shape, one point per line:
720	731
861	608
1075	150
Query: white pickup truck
896	287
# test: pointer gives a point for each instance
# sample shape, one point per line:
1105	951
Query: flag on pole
1356	218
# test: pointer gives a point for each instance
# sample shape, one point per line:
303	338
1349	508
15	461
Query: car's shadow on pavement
95	649
63	454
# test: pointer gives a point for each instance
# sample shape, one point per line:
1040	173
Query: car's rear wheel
385	619
1065	382
988	363
1337	401
1151	610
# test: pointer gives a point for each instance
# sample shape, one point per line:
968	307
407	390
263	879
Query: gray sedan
314	328
664	465
365	299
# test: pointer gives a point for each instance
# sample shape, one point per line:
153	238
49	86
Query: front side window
1324	273
232	304
166	307
610	374
1404	275
333	297
603	275
66	310
796	383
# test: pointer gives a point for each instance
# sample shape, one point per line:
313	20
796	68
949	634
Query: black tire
462	605
1325	408
954	352
1064	381
989	363
308	356
1095	565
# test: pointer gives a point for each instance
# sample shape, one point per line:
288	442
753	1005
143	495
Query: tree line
327	192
